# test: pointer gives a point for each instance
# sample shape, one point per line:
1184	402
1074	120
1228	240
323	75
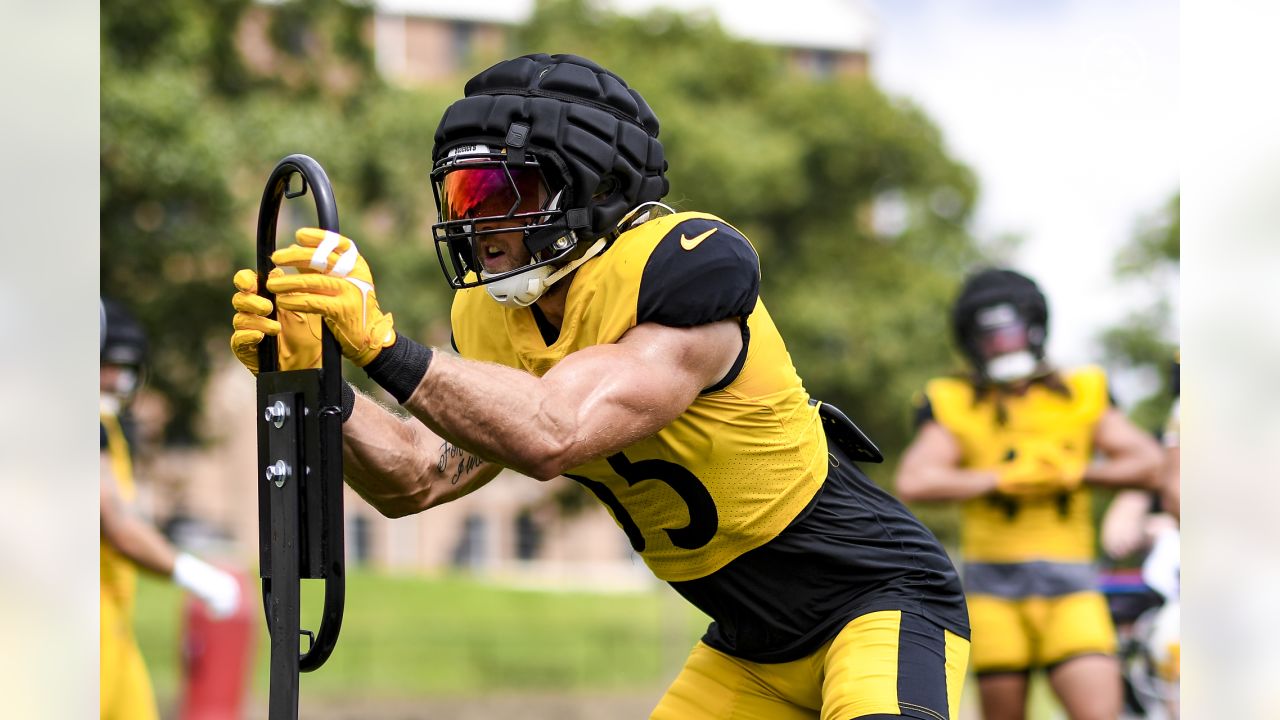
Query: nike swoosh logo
693	242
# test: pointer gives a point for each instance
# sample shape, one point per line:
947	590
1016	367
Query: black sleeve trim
924	411
701	272
453	342
737	364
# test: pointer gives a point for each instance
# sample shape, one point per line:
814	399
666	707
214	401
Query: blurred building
434	41
516	529
426	40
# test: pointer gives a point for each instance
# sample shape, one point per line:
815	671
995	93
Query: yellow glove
298	335
1039	469
334	281
1071	466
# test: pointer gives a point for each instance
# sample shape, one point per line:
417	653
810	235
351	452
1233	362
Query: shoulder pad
947	398
1088	385
701	271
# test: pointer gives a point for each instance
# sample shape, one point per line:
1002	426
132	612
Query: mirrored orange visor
490	191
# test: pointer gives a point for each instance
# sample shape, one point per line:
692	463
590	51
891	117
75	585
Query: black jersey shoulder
701	271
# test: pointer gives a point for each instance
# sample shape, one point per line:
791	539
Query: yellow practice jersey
747	456
1043	422
118	575
124	689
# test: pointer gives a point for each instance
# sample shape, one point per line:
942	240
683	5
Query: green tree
167	203
190	129
1146	339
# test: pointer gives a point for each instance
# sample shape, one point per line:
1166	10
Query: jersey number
703	518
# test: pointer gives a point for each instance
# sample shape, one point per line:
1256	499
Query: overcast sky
1067	111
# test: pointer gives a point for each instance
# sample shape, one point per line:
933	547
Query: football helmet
123	343
554	147
1000	322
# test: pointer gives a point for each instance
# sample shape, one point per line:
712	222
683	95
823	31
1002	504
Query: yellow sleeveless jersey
118	575
734	469
998	529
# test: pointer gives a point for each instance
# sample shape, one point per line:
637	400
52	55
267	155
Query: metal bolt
277	472
275	414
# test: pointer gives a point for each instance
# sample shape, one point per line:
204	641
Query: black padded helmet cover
596	132
124	342
994	286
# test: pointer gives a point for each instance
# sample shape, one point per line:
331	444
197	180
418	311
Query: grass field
405	637
454	647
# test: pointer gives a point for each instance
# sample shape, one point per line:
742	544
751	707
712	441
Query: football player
1014	441
602	336
1171	477
128	542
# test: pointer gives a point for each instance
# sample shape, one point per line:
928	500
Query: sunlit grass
413	636
408	636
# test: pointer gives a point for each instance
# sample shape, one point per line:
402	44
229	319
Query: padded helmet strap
516	135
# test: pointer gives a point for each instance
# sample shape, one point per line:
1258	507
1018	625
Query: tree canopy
1143	340
806	167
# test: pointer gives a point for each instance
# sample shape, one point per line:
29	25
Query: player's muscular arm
1133	458
930	469
126	532
400	467
595	402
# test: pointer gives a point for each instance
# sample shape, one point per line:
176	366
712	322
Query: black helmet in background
122	351
124	342
1000	321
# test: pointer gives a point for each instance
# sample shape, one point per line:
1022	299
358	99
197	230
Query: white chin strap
109	404
524	289
1011	366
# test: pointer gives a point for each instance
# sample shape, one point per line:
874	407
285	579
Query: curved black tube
328	478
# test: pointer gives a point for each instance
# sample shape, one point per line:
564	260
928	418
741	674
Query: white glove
1160	570
217	589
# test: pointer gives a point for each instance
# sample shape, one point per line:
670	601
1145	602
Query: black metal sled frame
300	518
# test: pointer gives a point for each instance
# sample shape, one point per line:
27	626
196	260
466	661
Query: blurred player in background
129	542
1014	442
1162	636
1171	476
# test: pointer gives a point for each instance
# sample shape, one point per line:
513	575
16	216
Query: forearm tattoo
466	462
